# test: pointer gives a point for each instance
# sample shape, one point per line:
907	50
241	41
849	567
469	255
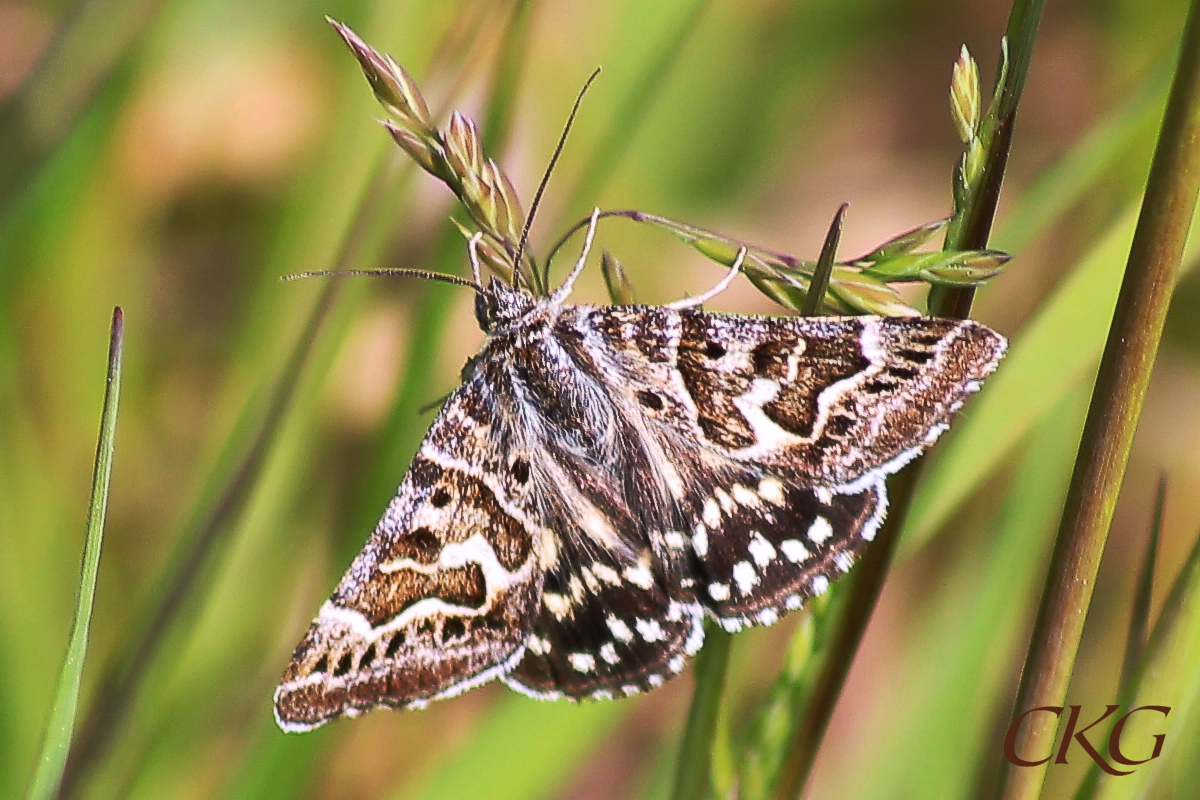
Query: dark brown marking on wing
822	362
385	596
713	391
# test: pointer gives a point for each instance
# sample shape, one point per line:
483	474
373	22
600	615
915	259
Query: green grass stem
60	729
862	590
1154	261
694	764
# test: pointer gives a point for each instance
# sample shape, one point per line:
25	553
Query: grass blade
1139	620
1167	676
1139	627
61	727
1146	289
694	767
820	280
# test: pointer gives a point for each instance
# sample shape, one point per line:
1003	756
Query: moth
605	477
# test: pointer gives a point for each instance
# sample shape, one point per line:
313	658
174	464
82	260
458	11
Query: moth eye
453	629
394	645
440	497
714	349
520	470
322	665
650	400
343	665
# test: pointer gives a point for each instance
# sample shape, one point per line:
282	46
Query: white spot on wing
654	680
559	605
608	652
820	530
745	576
712	513
767	616
639	576
761	550
674	540
676	664
794	550
582	662
844	561
619	629
770	489
537	645
744	496
718	591
700	541
650	630
820	584
590	579
727	504
606	574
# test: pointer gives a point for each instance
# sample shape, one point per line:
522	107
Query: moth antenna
722	285
423	274
563	291
537	197
473	249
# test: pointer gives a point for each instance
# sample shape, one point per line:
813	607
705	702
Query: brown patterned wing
442	596
830	401
777	434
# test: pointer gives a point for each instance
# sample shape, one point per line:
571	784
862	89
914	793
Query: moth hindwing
606	476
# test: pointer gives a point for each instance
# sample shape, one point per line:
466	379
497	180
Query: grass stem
1120	389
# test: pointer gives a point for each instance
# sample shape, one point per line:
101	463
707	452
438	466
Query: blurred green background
176	157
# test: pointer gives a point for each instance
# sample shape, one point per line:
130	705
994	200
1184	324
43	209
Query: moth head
499	305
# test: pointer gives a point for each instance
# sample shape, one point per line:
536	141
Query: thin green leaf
61	727
824	268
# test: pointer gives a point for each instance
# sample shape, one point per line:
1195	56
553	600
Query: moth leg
565	290
722	285
473	249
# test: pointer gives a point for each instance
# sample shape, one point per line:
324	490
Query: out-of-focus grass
764	116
